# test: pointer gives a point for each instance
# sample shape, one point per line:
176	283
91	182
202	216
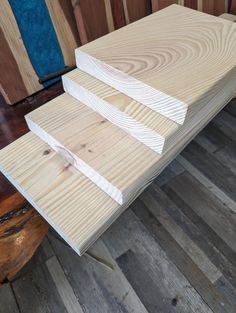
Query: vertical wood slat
118	13
110	22
138	9
65	36
191	4
155	5
126	12
24	69
79	22
233	7
215	7
9	68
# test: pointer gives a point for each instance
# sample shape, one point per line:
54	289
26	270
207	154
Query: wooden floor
171	251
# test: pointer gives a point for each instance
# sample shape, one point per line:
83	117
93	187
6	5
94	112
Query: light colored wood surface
71	203
229	17
171	67
112	159
146	125
77	209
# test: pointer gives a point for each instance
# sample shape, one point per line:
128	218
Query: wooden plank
11	92
172	170
79	22
138	9
149	293
155	5
37	290
191	4
110	22
215	7
199	232
129	234
221	195
64	288
56	182
63	31
200	5
233	7
18	55
94	20
144	124
143	69
39	174
118	13
190	248
70	17
216	172
8	301
220	218
220	253
226	123
211	296
127	21
108	289
88	154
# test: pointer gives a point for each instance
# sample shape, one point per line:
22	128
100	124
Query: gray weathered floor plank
7	300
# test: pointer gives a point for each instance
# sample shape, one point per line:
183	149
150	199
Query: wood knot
46	152
103	121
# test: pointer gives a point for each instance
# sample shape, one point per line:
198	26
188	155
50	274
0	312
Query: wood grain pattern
69	201
156	72
116	163
12	92
63	31
87	153
233	7
138	9
79	22
22	230
110	22
75	207
146	125
12	35
118	13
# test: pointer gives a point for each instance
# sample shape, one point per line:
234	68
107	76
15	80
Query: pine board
144	124
76	208
149	127
113	160
172	67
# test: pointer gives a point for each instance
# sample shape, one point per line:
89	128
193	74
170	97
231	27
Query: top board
170	61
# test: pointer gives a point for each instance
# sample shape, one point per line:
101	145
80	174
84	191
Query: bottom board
78	210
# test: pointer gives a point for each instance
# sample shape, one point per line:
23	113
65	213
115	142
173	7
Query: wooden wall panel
233	7
67	41
215	7
95	20
138	9
11	40
191	4
9	67
118	13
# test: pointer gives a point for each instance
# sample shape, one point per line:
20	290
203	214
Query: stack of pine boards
139	95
